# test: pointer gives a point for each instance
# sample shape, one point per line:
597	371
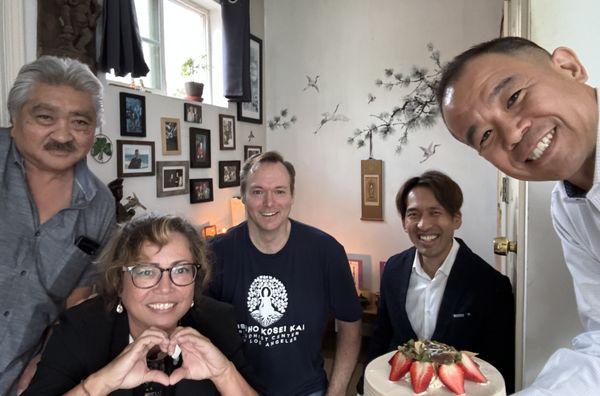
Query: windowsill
159	93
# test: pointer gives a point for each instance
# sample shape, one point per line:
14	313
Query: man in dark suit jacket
439	289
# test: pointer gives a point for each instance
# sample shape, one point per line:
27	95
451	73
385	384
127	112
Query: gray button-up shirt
40	264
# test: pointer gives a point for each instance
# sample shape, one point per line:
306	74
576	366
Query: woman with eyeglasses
150	331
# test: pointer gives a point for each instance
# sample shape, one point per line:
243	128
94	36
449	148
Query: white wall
349	43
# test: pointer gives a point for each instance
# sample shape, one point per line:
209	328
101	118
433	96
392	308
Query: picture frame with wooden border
249	151
135	158
132	111
201	190
200	149
170	132
226	132
172	178
229	174
252	111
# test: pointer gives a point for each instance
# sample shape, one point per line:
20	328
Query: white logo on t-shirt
267	300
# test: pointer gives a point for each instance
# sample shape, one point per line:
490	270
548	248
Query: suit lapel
454	291
403	280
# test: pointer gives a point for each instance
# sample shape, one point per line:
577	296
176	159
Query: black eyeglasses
145	276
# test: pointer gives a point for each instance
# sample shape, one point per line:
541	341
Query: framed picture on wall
249	151
229	174
132	110
192	113
172	178
252	111
226	132
199	148
201	190
135	158
356	268
171	136
209	231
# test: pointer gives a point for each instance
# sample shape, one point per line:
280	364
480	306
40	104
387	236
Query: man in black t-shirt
284	279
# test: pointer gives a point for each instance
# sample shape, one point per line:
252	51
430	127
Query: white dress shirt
424	295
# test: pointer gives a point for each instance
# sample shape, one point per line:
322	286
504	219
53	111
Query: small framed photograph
356	268
192	113
199	148
249	151
171	136
135	158
226	132
172	178
209	231
133	114
252	111
201	190
229	174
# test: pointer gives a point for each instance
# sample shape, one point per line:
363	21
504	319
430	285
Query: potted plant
190	69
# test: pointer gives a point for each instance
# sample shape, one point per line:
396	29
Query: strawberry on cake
431	368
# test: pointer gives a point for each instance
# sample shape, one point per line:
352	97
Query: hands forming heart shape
201	360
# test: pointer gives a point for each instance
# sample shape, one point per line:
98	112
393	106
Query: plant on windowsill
190	69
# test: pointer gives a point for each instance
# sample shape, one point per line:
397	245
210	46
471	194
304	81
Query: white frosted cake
377	382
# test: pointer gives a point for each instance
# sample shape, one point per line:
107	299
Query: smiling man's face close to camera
529	114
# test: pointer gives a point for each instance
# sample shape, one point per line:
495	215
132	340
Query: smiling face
268	199
533	117
429	225
164	304
55	127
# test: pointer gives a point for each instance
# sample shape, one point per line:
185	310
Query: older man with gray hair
54	213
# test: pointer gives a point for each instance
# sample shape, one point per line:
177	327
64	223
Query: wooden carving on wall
67	28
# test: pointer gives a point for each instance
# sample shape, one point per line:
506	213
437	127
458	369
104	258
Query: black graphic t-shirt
282	302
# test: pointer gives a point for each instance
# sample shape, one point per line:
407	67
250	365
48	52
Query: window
173	31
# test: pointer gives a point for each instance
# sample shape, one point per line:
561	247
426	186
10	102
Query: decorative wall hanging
172	178
249	151
135	158
133	114
252	111
229	174
327	117
417	109
171	136
68	29
312	83
192	113
226	132
250	136
371	98
124	212
371	173
201	190
102	148
199	148
281	120
429	151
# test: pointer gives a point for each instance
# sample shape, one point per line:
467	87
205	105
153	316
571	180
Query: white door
546	314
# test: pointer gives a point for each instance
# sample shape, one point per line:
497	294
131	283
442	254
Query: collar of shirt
445	268
83	178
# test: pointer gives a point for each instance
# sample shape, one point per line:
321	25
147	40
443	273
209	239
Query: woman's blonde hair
124	249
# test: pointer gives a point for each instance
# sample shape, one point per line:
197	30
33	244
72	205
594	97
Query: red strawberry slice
453	377
420	375
400	366
472	372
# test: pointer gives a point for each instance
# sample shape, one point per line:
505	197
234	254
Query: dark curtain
121	45
236	49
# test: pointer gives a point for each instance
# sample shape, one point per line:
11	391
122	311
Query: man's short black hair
445	190
503	45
